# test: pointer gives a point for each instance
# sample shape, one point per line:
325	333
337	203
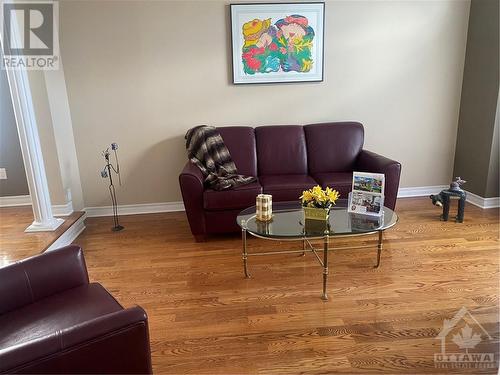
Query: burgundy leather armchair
286	160
52	320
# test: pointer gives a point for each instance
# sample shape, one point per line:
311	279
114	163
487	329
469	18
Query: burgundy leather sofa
52	320
287	160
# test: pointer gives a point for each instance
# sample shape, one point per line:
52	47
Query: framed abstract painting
278	42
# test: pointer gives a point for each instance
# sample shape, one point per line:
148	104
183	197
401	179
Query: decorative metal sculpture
107	173
454	192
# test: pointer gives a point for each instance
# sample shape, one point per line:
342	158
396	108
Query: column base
47	226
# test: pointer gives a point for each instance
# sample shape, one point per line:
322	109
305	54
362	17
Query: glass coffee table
288	224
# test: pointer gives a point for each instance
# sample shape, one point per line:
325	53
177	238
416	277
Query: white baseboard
149	208
62	209
71	233
472	198
25	200
134	209
15	200
420	191
481	202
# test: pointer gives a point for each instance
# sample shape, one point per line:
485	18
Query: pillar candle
264	207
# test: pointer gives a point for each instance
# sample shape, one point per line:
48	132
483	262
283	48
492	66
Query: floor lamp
107	173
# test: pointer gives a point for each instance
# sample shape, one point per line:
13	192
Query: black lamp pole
107	173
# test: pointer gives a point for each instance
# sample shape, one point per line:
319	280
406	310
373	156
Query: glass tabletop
288	222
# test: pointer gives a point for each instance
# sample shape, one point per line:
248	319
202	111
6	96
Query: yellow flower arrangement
319	198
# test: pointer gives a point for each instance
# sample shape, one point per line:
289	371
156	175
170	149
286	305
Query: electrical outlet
3	174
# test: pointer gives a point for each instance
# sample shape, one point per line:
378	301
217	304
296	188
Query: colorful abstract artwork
286	45
275	43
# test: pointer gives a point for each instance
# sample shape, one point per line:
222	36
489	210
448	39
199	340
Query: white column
32	152
63	133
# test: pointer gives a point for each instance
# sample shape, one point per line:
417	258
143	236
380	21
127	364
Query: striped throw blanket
206	149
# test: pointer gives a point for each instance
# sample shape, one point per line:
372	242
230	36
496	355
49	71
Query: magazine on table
367	196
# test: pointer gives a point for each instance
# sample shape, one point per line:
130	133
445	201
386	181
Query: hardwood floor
205	317
15	244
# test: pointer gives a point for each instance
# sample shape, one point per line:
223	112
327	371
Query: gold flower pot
313	213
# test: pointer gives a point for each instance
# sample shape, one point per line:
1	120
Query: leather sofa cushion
55	313
286	187
333	147
240	141
341	181
237	198
281	150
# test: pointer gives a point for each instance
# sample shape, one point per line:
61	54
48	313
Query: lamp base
117	228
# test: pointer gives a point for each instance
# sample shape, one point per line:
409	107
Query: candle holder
264	207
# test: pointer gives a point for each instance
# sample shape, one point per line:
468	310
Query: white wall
142	73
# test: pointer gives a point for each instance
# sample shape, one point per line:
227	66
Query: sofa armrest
113	343
191	181
371	162
29	280
192	171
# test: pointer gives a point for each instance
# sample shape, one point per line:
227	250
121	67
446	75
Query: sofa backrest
334	146
40	276
294	149
281	150
240	141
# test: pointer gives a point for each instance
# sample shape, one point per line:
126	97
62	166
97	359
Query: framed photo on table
367	196
278	42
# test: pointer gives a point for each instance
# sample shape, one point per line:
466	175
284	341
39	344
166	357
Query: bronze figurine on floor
454	192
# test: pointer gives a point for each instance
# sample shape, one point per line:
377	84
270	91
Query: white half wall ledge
69	235
150	208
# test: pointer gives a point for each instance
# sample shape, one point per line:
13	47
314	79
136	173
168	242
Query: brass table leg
324	297
379	250
245	254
